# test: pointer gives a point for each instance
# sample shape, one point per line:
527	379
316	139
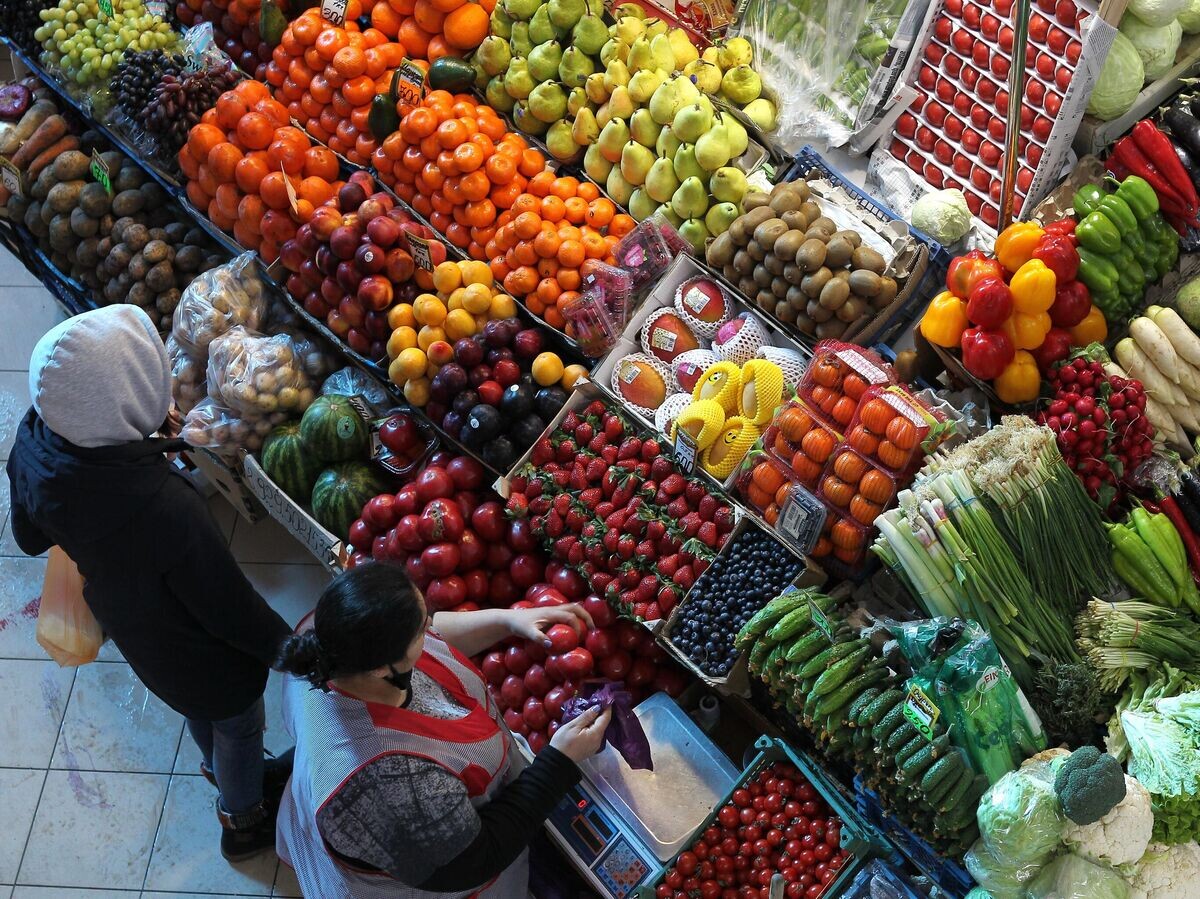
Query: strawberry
639	611
576	519
554	524
597	443
519	483
634	526
626	545
591	497
674	484
595	470
645	549
562	504
653	612
668	565
614	428
655	529
615	520
517	506
540	505
562	546
630	448
690	524
542	453
648	586
535	488
578	478
566	451
668	545
584	433
609	540
577	554
660	468
604	509
723	518
708	534
707	506
667	599
561	479
630	577
661	497
569	423
595	408
650	450
601	580
677	508
684	578
695	492
596	555
609	454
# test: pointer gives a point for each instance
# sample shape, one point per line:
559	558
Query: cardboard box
227	479
328	549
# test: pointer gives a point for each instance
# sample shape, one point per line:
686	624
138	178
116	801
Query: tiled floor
99	787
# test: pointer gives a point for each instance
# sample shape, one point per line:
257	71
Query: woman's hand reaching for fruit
474	632
532	624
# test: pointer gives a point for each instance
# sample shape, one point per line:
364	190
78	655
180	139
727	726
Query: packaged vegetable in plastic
218	300
998	879
187	376
624	732
1020	822
350	381
220	429
1072	877
256	375
315	355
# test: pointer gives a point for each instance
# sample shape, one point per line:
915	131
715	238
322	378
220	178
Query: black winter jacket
159	575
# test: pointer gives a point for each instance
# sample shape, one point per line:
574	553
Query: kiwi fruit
785	312
817	312
768	232
796	297
780	287
731	273
773	264
814	283
811	211
747	286
756	251
818	232
839	251
866	258
853	236
787	245
864	282
766	300
793	273
831	328
720	251
852	310
811	255
755	199
785	200
743	261
738	232
906	365
762	277
834	293
887	291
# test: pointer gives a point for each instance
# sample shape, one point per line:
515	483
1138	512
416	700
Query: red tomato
488	522
600	610
562	637
471	549
477	582
408	534
600	644
466	473
537	681
616	666
494	669
445	593
499	557
553	701
362	534
434	483
526	570
380	512
577	664
534	714
441	559
520	536
516	660
513	692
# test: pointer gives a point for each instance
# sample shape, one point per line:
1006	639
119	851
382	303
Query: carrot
51	153
47	133
34	116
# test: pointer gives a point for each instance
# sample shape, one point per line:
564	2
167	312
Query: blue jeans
233	751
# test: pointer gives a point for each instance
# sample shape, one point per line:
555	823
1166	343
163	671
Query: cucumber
816	666
851	689
769	615
909	749
938	779
758	655
791	624
900	736
919	763
807	646
880	707
864	699
837	674
888	723
773	660
958	793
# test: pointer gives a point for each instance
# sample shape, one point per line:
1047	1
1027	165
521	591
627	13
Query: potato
155	251
137	236
140	295
62	238
128	202
94	200
188	258
83	224
138	267
71	166
161	277
64	196
130	177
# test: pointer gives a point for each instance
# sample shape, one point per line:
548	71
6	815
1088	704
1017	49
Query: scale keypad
621	870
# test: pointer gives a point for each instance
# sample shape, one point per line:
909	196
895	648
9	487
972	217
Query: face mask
401	680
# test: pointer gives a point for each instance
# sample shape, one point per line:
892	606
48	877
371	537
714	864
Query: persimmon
230	109
202	138
329	42
255	131
465	27
273	190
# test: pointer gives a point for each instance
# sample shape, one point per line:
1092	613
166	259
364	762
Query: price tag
157	8
410	86
685	450
99	169
921	711
419	247
334	11
820	621
106	8
289	187
10	177
801	518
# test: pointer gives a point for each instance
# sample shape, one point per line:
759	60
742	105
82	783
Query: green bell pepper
1138	244
1139	196
1132	279
1108	302
1118	212
1086	199
1097	233
1097	271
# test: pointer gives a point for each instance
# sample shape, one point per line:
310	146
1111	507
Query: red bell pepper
1062	228
1072	302
1158	149
990	303
986	353
1059	255
966	270
1056	346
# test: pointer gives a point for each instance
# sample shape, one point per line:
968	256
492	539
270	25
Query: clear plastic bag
257	376
316	357
218	300
187	376
220	429
1021	822
1000	880
352	382
1072	877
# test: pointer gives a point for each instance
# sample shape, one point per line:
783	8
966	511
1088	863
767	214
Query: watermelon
340	493
333	431
288	462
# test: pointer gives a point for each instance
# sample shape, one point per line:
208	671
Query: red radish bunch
1100	423
619	513
451	533
776	824
530	682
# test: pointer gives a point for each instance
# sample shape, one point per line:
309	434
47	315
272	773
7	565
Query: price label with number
410	86
10	177
99	169
801	518
420	252
685	450
820	621
157	8
921	711
334	11
106	8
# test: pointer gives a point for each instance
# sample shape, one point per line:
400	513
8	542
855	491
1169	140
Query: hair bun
302	656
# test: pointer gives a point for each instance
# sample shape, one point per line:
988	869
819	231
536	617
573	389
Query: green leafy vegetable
1019	820
1120	80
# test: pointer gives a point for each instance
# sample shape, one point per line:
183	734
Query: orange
540	181
446	5
576	210
320	162
385	19
330	41
315	190
202	138
413	38
451	133
227	199
350	62
359	91
286	155
222	161
230	109
251	209
475	186
588	191
468	157
252	91
429	17
255	131
621	225
439	48
273	190
571	254
528	225
306	30
465	27
600	212
546	244
273	110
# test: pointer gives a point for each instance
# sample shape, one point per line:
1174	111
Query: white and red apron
336	735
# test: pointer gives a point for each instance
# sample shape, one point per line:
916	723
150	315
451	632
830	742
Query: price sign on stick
921	711
410	86
685	450
10	177
106	8
99	169
420	252
334	11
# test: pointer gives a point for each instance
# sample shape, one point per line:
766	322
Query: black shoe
276	771
244	836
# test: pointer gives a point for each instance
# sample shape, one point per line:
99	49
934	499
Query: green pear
720	217
735	52
644	83
668	213
595	8
596	90
620	104
500	23
613	49
661	181
585	131
566	13
589	34
629	9
641	206
618	188
655	26
727	185
521	10
526	121
575	67
712	149
672	95
613	138
739	140
577	99
481	78
640	55
544	60
694	232
541	29
518	83
643	128
741	84
684	50
519	39
706	75
548	102
595	165
762	113
493	55
663	53
691	122
690	199
561	142
616	74
686	165
497	95
636	160
667	144
628	29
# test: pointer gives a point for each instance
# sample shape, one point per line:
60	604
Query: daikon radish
1183	339
1154	343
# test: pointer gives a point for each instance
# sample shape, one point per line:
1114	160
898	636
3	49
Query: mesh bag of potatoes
209	425
218	300
256	376
187	376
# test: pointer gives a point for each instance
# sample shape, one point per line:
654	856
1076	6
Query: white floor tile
152	894
28	313
33	697
285	883
292	590
187	853
71	893
275	739
20	788
103	824
113	723
20	589
267	541
14	403
12	272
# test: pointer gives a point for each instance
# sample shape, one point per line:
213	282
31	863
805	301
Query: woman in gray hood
87	476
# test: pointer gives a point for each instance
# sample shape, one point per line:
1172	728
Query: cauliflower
1121	836
1167	872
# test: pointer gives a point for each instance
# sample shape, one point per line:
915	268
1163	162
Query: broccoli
1089	784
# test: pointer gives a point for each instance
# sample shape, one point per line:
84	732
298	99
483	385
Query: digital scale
607	853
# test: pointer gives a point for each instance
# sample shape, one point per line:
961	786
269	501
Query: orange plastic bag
66	627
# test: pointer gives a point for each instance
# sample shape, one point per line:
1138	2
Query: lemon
477	298
446	277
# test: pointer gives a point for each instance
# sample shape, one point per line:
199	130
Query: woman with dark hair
406	783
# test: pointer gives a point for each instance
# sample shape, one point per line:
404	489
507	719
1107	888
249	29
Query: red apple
292	256
352	311
369	258
337	323
375	292
331	291
400	265
344	242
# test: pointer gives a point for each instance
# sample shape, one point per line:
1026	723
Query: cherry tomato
728	816
741	798
700	850
823	852
773	802
686	864
710	889
810	808
774	837
794	890
806	793
791	808
674	879
806	858
746	816
662	891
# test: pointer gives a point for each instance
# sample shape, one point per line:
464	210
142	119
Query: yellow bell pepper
1033	287
1020	381
1027	331
1016	243
1093	328
944	320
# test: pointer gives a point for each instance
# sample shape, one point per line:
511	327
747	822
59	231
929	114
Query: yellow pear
682	47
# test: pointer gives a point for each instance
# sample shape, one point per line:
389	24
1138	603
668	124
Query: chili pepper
1015	244
1059	255
1118	169
1086	199
1033	287
991	302
1133	579
1098	234
986	353
1158	149
1093	328
1027	330
944	320
1055	345
1128	153
965	271
1171	509
1062	228
1153	578
1138	195
1157	532
1118	212
1020	381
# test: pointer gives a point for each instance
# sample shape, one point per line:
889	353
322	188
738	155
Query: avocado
449	73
